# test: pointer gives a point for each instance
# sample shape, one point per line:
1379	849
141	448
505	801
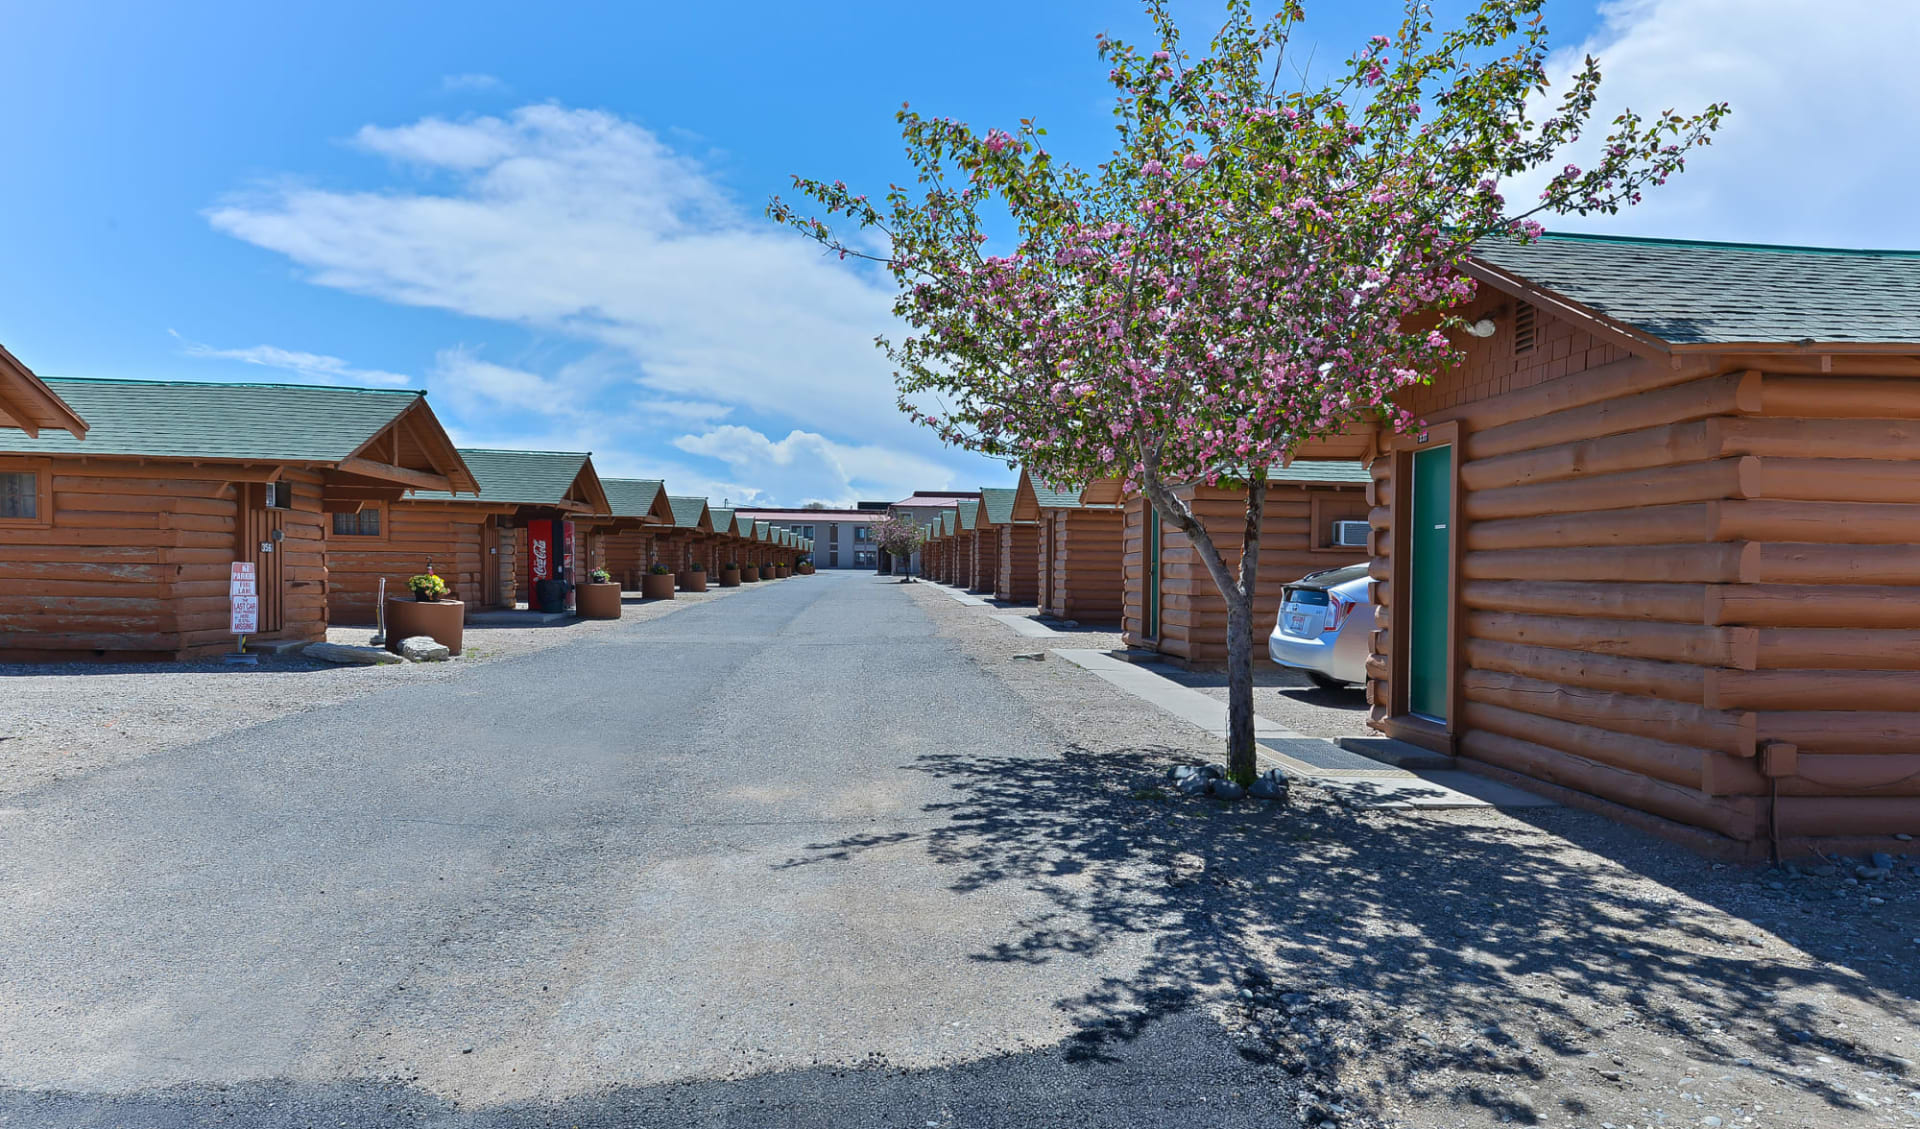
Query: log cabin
27	404
126	550
981	543
1653	549
689	539
726	542
1080	572
638	510
1015	546
966	521
1171	603
533	519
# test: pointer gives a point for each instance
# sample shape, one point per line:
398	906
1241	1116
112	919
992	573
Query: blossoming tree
1258	264
899	536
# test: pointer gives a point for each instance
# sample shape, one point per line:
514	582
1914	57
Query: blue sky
551	218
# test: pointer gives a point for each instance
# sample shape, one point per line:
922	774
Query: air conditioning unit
1351	534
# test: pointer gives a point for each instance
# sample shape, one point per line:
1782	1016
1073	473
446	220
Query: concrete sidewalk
1360	779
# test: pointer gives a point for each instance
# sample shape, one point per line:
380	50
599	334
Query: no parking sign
245	599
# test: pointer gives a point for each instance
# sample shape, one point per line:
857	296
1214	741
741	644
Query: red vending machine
550	565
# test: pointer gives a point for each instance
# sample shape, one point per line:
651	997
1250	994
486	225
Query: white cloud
813	468
1817	149
584	223
468	83
314	368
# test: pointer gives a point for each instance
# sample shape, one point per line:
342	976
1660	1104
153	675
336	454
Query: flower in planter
659	569
734	565
696	567
600	576
427	586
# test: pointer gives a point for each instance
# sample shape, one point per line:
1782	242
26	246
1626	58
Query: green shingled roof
520	478
1051	499
969	513
998	504
1686	292
687	511
722	520
285	423
632	497
761	530
1333	472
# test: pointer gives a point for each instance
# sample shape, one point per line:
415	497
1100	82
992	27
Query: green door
1151	628
1432	571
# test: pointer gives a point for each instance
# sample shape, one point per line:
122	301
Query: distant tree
899	536
1253	268
814	506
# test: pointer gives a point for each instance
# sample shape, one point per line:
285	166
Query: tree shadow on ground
1451	962
1266	676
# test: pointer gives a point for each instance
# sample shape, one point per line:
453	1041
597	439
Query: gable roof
947	522
1332	472
532	478
996	505
28	404
275	423
690	513
637	497
969	513
722	520
1685	292
762	531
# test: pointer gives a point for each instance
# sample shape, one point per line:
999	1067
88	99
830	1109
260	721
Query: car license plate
1303	621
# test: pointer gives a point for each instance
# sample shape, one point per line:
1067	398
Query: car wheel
1325	681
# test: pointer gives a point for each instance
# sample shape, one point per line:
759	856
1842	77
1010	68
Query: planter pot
782	571
444	621
691	581
597	601
657	586
750	573
729	578
806	570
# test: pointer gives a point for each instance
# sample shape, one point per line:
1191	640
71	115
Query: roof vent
1525	329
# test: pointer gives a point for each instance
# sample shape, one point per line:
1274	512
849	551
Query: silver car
1322	627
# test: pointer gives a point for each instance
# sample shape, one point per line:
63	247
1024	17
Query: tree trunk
1238	591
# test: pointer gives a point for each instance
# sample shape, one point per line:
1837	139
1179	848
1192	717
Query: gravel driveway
723	868
1461	968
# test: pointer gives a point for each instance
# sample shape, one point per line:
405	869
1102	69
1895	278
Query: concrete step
1398	753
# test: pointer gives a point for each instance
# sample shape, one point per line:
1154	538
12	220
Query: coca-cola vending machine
550	565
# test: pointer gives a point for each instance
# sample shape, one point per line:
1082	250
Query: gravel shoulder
62	720
1459	968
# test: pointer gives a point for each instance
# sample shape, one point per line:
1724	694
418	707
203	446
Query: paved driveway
681	875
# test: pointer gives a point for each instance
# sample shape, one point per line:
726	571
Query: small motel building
1008	550
1657	548
638	511
841	538
122	545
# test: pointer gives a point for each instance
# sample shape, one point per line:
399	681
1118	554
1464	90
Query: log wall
412	536
984	549
1667	576
133	561
1081	562
1193	613
1018	580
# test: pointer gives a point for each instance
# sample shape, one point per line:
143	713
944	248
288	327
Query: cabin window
20	495
362	523
1526	329
25	495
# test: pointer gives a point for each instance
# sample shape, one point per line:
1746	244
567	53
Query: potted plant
428	613
695	578
657	584
806	564
599	597
730	574
750	572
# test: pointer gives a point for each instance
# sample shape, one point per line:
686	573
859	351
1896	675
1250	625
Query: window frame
1320	511
386	527
42	470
